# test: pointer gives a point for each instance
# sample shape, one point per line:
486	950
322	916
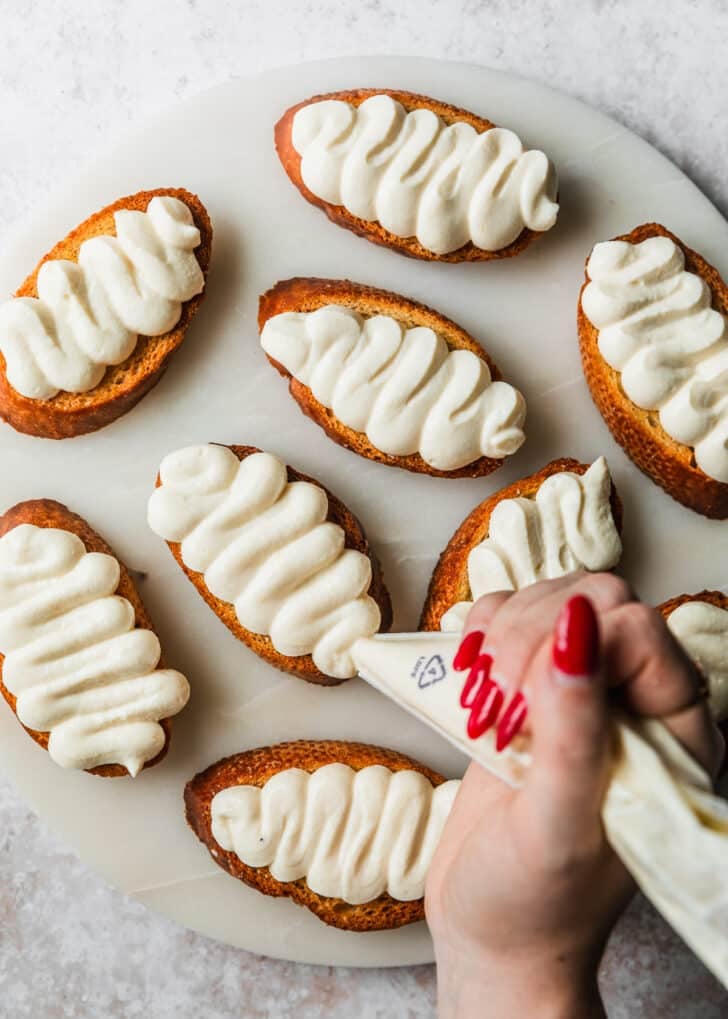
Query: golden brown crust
449	583
255	767
291	162
70	414
48	513
305	294
720	601
670	464
716	598
302	666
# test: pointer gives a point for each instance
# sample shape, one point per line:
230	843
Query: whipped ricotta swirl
658	330
89	314
446	185
74	660
265	546
352	835
567	526
404	388
702	629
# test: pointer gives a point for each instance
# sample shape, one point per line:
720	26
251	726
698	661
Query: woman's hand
524	889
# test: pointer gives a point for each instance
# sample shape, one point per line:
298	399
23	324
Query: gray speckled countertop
71	76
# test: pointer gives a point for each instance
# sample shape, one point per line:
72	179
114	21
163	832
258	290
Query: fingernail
512	721
479	672
468	650
486	707
576	640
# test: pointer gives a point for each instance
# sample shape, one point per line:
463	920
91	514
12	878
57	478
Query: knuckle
610	589
487	606
511	646
648	621
561	585
506	637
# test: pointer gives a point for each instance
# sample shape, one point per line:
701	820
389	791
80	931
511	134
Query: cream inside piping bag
659	813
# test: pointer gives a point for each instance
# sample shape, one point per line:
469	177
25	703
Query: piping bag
660	814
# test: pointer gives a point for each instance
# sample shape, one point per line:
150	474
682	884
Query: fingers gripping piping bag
659	812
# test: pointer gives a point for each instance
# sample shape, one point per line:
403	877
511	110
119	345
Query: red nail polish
468	650
479	672
486	706
510	724
576	638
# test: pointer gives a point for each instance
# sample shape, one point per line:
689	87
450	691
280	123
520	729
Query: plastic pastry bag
659	814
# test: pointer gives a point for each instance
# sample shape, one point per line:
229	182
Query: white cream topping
89	314
353	835
568	526
404	388
444	184
265	545
658	330
73	658
702	629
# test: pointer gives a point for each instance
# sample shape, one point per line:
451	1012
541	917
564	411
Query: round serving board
221	388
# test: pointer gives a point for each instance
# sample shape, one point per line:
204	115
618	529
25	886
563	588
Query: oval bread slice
48	513
302	665
670	464
306	294
255	767
716	598
449	584
374	231
70	414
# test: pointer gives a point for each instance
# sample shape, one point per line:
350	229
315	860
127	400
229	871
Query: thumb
570	726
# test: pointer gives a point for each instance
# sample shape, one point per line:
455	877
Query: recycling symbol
431	671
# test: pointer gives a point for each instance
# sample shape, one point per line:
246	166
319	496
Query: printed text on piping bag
659	812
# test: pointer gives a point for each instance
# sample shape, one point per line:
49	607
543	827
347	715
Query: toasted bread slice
48	513
670	464
716	598
374	231
305	294
70	414
302	665
255	767
449	583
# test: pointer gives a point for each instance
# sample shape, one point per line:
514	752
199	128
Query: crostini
564	518
417	175
391	379
92	329
654	348
361	825
279	559
80	664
